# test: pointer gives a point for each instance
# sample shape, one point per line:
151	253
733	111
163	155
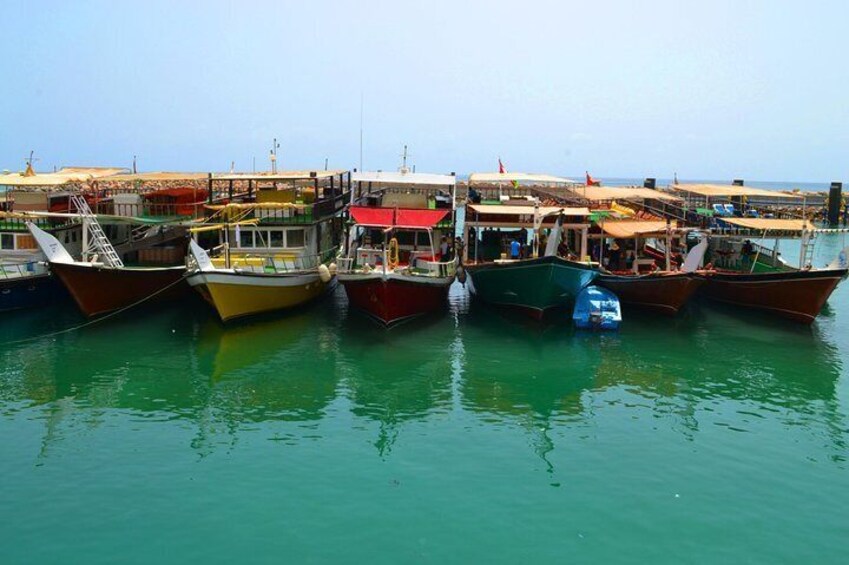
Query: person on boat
515	249
746	252
614	255
444	249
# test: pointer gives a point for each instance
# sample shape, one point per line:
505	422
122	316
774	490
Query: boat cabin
512	216
280	222
401	220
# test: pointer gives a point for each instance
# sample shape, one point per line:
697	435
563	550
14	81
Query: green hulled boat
532	285
520	253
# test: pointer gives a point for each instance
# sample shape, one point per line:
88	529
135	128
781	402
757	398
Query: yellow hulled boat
273	253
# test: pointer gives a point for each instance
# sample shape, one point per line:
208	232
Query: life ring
394	254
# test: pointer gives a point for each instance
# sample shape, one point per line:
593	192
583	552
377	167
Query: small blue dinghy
597	308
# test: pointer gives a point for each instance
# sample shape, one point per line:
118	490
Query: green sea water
472	436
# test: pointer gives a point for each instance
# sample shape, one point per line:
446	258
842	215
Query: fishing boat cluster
252	243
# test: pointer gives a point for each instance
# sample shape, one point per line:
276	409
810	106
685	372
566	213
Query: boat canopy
61	177
713	190
600	193
504	210
518	177
279	176
392	177
770	224
626	229
158	176
397	217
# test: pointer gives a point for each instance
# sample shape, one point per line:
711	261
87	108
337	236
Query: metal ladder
104	247
808	257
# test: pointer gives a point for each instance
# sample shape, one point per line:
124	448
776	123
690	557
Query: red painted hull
663	293
796	295
391	300
99	290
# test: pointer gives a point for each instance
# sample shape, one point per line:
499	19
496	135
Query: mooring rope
101	318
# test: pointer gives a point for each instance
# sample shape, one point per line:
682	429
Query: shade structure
533	178
400	177
628	229
507	210
397	217
767	224
601	193
719	190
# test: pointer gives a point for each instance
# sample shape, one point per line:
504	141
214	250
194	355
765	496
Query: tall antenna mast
404	168
361	131
274	147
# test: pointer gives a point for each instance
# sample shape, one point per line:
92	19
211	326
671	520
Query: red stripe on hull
392	301
100	290
798	299
662	293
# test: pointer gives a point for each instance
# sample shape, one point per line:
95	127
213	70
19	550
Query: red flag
502	170
591	181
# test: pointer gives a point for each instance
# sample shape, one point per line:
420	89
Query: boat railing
270	264
20	270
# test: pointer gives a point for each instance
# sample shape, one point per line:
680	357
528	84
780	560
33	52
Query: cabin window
246	238
275	238
7	241
295	238
24	241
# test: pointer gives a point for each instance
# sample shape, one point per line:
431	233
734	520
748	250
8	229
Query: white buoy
324	273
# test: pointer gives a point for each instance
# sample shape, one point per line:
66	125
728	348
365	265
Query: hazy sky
718	89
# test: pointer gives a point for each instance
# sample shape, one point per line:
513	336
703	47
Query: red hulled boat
796	295
392	269
393	298
98	288
663	292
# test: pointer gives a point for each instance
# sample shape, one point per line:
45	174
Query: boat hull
665	293
394	299
29	291
99	290
531	285
795	295
236	295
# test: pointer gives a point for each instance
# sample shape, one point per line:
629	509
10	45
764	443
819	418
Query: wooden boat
391	268
754	276
532	285
596	308
795	295
279	253
504	260
664	291
99	288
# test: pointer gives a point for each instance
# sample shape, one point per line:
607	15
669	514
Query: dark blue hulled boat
26	285
596	308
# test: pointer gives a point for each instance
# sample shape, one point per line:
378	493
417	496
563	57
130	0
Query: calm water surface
162	436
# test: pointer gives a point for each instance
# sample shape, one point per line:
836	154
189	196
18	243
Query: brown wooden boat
98	289
664	292
796	295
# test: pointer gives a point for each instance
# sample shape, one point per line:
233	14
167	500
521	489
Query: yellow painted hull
233	299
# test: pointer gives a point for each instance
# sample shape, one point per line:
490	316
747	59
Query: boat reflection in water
393	377
347	379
